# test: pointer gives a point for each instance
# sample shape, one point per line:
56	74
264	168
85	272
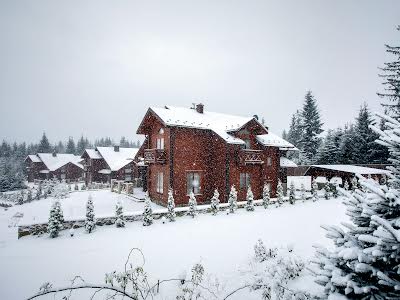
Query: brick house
105	163
192	150
54	165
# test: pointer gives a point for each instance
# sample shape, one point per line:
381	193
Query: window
269	161
193	183
160	143
244	180
247	144
160	182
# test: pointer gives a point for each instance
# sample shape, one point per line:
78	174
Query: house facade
43	166
192	150
105	163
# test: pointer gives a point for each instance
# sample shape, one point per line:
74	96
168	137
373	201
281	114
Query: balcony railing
155	156
247	156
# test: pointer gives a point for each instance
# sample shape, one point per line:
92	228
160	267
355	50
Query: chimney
200	108
54	153
116	148
255	117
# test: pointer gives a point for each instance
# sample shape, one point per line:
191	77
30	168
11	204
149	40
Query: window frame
196	190
244	180
160	183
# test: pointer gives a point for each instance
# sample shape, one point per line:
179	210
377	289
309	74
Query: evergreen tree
250	199
311	129
192	205
232	201
303	192
335	193
354	183
266	196
171	206
346	185
59	213
54	225
147	212
347	150
279	192
215	202
81	145
44	145
327	189
90	222
119	215
292	196
29	195
314	191
70	146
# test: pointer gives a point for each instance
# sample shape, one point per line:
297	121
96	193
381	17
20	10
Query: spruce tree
327	189
215	203
119	215
232	201
279	193
90	222
314	191
54	225
346	185
192	205
354	183
303	192
311	129
171	206
44	145
292	196
147	212
70	146
250	200
266	196
347	150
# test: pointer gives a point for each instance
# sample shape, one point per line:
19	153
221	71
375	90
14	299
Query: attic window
161	131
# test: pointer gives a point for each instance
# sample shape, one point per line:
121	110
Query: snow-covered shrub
250	200
279	192
29	195
76	187
83	188
232	201
346	185
60	190
148	211
292	195
303	192
215	203
335	192
327	189
56	220
38	192
190	288
261	253
90	222
20	198
119	215
354	183
266	196
192	205
171	206
314	191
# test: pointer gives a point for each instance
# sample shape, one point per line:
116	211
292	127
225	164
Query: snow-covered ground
222	243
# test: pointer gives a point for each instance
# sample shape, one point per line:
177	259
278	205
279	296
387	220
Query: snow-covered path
222	243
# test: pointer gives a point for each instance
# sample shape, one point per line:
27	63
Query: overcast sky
94	67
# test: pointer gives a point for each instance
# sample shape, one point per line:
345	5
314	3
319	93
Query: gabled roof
273	140
353	169
117	159
34	158
53	163
93	154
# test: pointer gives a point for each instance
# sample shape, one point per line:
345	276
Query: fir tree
250	199
192	205
232	201
303	192
346	185
59	213
292	196
327	189
347	150
171	206
354	183
215	202
311	129
147	212
70	146
90	222
54	225
119	215
314	191
279	192
266	196
44	145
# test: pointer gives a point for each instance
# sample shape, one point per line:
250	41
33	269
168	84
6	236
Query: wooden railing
247	156
154	156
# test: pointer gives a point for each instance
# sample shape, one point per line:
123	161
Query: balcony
247	156
155	156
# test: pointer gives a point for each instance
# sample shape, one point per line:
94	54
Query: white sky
93	67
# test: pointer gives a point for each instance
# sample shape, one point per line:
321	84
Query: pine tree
327	189
266	196
81	145
44	145
59	213
279	192
292	196
147	212
232	200
70	146
119	215
311	129
192	205
215	202
54	225
314	191
347	150
90	222
250	200
171	206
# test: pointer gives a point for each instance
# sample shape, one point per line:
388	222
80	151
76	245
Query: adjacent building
193	150
54	165
105	163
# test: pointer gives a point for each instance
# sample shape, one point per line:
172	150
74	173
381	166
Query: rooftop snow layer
61	159
273	140
117	159
34	158
287	163
353	169
93	154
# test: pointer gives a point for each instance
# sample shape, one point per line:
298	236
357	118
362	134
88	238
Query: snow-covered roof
105	171
219	123
287	163
61	159
273	140
34	158
321	179
93	154
117	159
353	169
